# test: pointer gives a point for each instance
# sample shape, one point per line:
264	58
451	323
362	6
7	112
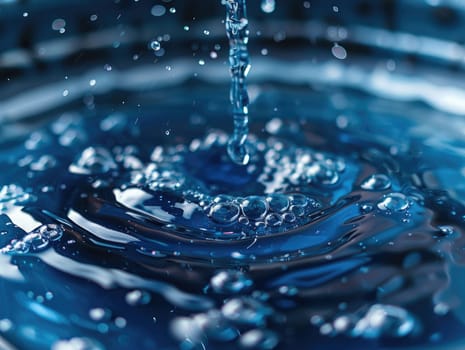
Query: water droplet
339	52
394	202
376	182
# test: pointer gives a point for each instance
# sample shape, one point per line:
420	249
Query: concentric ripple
305	239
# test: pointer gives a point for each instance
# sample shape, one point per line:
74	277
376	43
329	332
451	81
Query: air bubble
254	207
225	213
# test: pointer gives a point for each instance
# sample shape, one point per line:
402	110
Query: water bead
394	202
225	213
230	282
254	207
376	182
238	152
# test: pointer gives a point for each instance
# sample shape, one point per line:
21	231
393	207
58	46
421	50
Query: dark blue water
124	229
124	222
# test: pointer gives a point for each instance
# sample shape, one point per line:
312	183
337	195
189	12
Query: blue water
132	215
116	236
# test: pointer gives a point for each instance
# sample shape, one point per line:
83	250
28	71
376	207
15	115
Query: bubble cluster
385	320
242	319
279	205
287	166
378	321
269	211
35	241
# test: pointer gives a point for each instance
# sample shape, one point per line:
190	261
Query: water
238	34
127	225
